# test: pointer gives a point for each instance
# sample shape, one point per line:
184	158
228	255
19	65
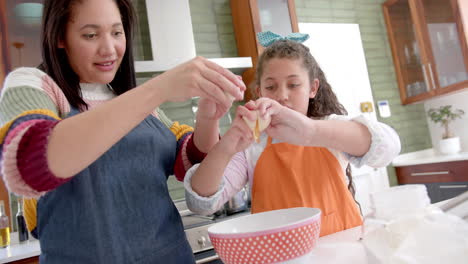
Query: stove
196	230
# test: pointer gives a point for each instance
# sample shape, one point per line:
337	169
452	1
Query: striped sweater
31	104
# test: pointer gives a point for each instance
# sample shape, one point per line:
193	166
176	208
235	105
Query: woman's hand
200	77
286	124
239	136
210	110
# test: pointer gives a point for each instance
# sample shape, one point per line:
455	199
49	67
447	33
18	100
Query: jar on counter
4	227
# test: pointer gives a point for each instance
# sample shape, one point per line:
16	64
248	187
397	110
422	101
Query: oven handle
205	260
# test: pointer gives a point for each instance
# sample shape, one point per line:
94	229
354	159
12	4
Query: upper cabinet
170	35
429	47
166	25
3	43
252	16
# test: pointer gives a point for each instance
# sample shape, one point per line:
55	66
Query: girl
78	135
303	157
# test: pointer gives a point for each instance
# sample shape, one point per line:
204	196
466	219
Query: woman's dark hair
55	63
325	101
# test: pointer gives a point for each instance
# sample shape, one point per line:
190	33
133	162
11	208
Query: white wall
459	100
346	70
459	127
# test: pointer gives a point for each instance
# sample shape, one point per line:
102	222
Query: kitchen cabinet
3	44
429	48
443	191
443	180
33	260
252	16
463	4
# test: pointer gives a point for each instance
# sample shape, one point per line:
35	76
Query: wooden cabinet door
409	58
4	59
33	260
443	33
4	68
443	180
429	49
252	16
463	7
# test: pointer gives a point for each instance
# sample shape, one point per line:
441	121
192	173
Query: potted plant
444	115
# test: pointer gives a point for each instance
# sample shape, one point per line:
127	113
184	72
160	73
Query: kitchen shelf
228	63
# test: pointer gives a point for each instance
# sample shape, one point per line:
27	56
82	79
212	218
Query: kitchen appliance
196	230
238	203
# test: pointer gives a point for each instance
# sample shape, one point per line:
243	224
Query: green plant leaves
444	114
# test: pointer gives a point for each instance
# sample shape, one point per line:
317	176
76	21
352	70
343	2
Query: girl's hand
239	136
286	125
200	77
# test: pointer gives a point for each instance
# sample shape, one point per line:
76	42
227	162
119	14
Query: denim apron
117	210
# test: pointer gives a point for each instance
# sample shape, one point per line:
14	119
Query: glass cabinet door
274	16
409	64
445	42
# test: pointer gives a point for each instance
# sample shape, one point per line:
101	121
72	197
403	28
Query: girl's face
287	82
94	40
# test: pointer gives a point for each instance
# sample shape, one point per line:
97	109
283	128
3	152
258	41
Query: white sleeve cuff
385	145
199	204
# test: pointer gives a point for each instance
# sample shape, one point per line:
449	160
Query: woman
78	134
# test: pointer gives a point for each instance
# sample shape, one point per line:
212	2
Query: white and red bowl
268	237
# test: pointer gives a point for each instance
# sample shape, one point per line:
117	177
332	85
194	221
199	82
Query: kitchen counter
20	251
427	156
338	248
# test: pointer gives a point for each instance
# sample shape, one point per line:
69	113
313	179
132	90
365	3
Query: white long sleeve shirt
385	146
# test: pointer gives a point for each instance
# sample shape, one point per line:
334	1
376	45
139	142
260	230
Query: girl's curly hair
325	101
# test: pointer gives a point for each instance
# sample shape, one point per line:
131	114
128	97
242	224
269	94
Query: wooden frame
427	56
246	22
4	69
292	16
421	24
398	67
463	8
5	65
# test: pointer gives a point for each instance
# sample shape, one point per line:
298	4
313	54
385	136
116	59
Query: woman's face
287	82
94	40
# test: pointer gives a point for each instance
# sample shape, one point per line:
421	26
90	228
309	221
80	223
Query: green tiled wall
212	28
214	37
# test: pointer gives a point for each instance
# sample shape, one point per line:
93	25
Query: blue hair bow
267	38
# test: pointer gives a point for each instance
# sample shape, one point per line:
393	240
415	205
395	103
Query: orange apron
289	176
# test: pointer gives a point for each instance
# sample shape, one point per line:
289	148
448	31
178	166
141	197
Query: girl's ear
314	86
258	91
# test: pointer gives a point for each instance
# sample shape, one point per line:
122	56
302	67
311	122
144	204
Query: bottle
23	234
4	227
